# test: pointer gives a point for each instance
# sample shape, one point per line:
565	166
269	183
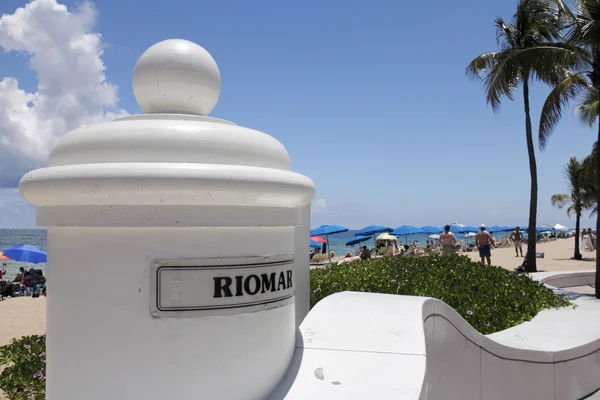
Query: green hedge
489	298
24	376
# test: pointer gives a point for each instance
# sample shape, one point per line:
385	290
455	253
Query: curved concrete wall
567	279
364	345
463	364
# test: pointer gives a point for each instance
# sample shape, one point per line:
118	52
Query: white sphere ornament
177	77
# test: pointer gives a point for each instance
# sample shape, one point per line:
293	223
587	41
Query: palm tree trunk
577	254
531	236
597	282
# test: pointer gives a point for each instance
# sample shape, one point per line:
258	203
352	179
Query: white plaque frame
209	267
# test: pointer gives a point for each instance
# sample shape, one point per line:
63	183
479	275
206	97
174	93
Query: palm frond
559	98
582	189
481	65
559	200
565	14
510	66
588	109
587	29
549	62
505	34
502	80
536	23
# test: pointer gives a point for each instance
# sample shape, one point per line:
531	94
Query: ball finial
176	76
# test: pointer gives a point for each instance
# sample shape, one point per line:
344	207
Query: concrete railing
363	345
566	279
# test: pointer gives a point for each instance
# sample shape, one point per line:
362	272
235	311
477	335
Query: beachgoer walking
517	238
592	239
483	241
447	240
3	271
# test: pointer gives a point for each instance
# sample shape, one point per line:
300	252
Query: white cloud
72	89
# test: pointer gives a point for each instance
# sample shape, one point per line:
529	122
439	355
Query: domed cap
176	76
170	159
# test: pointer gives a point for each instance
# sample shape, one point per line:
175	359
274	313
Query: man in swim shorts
483	241
517	238
447	240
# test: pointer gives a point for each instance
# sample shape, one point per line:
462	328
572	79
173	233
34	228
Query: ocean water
12	237
338	241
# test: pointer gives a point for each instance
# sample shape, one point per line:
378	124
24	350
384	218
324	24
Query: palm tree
580	196
581	84
527	52
589	166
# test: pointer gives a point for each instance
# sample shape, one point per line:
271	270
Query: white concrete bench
377	346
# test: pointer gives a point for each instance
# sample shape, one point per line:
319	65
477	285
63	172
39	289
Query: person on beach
3	271
19	276
365	254
22	283
484	241
517	238
447	240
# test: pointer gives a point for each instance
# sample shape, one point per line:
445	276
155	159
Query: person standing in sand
447	240
484	241
517	238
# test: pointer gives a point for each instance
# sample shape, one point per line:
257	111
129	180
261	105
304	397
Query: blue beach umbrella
315	244
372	230
431	229
406	230
469	229
326	230
26	253
358	239
456	229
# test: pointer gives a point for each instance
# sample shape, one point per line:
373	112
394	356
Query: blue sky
369	98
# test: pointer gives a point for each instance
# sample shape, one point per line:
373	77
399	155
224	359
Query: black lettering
281	281
256	284
268	283
289	278
239	281
222	287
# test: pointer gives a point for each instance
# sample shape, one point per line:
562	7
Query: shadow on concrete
288	379
586	259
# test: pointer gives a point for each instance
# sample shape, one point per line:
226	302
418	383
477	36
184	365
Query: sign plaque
185	288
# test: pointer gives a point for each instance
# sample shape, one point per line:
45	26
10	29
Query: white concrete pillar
171	246
303	266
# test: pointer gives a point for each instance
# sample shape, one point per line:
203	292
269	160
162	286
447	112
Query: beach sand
22	316
557	257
